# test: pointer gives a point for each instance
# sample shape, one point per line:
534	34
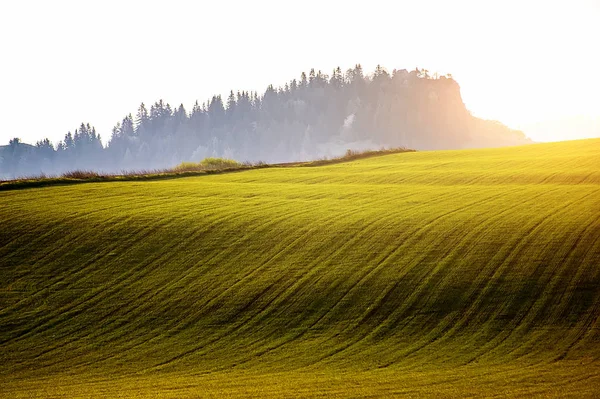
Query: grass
451	273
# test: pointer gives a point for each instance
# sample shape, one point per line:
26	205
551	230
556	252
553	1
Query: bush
351	153
207	164
81	174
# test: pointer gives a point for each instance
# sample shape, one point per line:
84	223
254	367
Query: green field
451	273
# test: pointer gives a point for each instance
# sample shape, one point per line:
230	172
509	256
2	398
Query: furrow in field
526	288
237	319
334	289
451	276
443	284
74	277
186	320
550	299
384	297
334	292
98	299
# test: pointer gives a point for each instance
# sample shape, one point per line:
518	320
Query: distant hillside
316	116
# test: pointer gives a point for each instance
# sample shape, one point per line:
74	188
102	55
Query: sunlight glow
64	62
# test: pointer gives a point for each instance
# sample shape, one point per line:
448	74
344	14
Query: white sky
528	64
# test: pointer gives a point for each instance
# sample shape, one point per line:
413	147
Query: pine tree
216	112
303	81
337	79
311	77
128	126
69	141
142	117
231	106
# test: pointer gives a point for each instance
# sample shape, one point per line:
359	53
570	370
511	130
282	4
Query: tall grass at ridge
208	165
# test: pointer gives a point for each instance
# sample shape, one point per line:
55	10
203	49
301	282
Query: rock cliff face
424	114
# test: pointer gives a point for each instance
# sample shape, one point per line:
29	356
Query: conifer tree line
318	115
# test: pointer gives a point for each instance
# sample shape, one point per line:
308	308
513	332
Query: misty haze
316	116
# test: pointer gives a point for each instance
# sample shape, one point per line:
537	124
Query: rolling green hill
450	273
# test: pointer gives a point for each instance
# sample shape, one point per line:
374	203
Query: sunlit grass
455	273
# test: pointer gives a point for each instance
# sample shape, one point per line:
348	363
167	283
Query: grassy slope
459	272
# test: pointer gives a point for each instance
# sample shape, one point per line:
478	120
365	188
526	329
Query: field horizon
437	273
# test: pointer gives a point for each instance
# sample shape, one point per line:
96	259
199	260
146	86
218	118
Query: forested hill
313	117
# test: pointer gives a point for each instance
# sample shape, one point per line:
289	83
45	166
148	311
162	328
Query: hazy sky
525	63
